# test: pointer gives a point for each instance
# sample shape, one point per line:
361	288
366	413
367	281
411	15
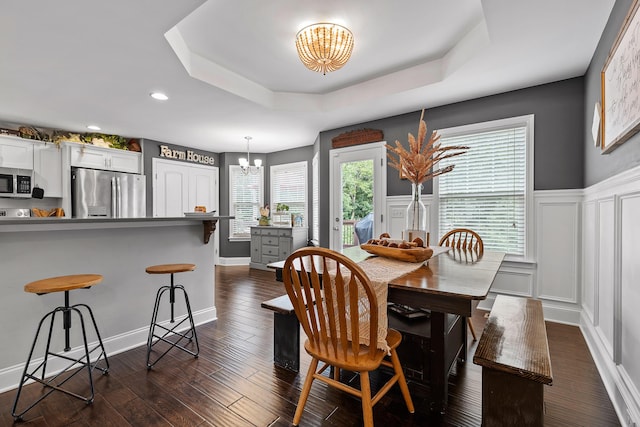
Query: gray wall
598	166
151	150
559	133
243	249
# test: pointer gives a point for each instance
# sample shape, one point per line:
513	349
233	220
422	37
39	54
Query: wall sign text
188	155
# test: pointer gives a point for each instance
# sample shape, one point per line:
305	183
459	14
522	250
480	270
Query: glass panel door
358	183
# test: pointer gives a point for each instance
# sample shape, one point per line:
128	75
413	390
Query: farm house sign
189	156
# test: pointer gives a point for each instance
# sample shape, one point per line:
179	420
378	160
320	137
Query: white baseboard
10	377
626	405
234	260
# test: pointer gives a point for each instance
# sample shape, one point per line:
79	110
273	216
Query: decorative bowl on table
398	249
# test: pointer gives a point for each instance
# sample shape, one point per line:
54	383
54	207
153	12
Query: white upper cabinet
180	187
105	158
16	153
47	168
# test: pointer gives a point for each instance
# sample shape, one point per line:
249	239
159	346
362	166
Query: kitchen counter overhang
53	224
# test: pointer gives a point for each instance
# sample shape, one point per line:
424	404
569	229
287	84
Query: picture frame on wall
620	85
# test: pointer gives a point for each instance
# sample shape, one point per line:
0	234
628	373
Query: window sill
239	239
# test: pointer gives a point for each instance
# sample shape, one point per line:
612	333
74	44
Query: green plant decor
281	207
114	141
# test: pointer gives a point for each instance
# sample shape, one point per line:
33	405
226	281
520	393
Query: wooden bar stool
55	383
189	335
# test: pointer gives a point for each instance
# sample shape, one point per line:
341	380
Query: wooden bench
286	333
514	354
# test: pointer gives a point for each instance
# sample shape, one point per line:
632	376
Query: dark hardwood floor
234	382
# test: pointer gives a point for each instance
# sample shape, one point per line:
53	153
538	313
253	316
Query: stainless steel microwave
15	185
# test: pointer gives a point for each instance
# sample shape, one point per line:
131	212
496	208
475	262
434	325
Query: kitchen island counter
120	250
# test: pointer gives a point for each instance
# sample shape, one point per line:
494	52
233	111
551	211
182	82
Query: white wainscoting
558	245
610	318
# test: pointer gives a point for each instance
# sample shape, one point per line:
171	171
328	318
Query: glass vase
416	217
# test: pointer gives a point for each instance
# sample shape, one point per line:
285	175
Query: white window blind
246	196
289	186
486	191
316	198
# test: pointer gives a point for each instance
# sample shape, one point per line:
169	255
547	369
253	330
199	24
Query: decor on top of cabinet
106	141
281	208
419	164
58	136
281	216
29	132
264	216
9	132
134	145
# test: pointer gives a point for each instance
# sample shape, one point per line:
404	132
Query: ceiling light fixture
245	164
159	96
93	127
324	47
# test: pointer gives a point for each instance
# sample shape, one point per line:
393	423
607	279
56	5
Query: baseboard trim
9	377
234	261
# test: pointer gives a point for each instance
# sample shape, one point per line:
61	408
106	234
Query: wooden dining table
450	285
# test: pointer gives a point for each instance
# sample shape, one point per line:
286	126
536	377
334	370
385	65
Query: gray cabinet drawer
270	240
269	231
284	232
266	259
269	250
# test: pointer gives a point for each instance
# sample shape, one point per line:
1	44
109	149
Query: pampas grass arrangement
419	163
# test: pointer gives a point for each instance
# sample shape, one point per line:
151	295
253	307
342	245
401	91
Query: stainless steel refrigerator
96	193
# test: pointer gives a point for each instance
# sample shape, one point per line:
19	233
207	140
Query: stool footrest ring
189	334
77	365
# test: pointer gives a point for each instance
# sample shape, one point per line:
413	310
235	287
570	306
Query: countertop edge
44	224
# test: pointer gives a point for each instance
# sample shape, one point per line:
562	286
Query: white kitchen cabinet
47	168
179	187
86	156
16	153
170	189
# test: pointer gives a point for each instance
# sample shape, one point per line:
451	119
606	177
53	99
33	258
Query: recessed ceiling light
93	127
159	96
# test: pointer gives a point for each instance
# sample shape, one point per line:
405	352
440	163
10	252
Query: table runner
380	272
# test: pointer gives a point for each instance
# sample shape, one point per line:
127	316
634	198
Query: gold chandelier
324	47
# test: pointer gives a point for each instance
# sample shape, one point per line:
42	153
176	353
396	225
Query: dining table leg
439	372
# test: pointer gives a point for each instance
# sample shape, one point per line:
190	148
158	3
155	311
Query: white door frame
374	151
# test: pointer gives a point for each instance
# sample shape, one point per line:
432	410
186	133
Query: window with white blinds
246	196
488	189
315	196
289	186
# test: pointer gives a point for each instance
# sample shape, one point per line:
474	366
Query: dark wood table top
453	273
